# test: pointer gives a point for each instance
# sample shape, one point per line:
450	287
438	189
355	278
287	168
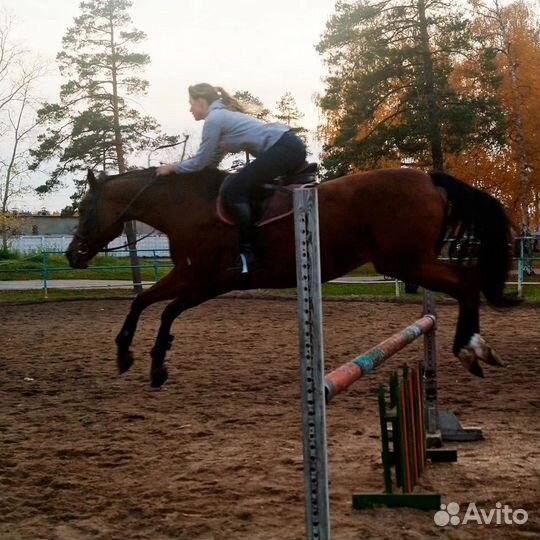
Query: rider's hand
164	170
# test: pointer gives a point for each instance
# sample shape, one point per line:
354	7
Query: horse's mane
205	183
104	177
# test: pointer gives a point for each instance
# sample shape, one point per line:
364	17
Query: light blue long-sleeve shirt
226	131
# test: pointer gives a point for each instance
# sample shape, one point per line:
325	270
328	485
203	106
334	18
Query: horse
395	218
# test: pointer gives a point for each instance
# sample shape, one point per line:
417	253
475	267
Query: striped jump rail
343	377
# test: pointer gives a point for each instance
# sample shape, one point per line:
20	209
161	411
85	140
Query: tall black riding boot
241	212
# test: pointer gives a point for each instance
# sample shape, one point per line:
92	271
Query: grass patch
364	289
383	290
8	254
14	266
530	293
56	294
103	267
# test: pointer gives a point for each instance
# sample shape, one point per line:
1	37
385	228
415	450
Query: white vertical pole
308	283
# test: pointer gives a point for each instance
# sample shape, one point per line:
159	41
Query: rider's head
202	95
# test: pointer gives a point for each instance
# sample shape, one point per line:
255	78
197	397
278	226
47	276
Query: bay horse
396	218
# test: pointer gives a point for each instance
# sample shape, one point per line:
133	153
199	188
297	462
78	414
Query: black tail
474	213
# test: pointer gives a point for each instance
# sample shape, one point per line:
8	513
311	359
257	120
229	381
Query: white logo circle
441	518
453	508
447	514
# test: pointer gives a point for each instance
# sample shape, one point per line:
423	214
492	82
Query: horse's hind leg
469	346
158	371
165	289
463	284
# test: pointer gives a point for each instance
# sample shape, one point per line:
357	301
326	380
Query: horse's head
98	225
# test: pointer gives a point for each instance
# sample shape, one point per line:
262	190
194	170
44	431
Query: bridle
91	219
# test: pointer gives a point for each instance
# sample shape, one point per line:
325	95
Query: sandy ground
217	453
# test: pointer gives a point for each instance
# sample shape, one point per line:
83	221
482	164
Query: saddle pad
277	206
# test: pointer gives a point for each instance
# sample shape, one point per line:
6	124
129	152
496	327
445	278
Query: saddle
274	201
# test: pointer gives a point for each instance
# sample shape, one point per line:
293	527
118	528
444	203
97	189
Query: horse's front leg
158	371
124	356
166	288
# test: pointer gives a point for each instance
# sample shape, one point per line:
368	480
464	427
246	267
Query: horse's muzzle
77	258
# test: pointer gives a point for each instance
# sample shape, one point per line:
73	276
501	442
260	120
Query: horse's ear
91	179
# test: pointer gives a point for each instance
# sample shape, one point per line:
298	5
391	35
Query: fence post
156	267
45	271
308	286
521	268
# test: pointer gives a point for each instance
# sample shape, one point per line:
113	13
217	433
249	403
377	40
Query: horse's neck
166	204
142	202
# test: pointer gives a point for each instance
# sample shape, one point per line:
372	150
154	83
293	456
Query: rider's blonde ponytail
231	103
212	93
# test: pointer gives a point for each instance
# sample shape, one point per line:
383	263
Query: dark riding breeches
284	157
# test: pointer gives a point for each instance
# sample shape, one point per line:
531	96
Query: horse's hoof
476	370
158	376
494	359
470	361
124	361
482	350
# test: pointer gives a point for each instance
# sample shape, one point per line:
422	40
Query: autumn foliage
482	102
498	169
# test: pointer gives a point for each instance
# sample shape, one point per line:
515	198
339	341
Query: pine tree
254	106
389	95
93	125
287	111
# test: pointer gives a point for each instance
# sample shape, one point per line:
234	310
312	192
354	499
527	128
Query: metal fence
156	248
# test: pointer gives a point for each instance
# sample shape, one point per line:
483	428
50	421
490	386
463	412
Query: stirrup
244	262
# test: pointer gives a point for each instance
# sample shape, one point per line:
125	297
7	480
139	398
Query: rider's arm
209	153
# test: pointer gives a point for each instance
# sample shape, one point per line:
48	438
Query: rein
128	244
93	212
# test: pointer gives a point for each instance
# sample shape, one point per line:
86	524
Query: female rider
228	129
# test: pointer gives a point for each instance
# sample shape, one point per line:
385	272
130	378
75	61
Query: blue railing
158	258
156	263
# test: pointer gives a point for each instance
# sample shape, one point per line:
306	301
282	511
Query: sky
267	48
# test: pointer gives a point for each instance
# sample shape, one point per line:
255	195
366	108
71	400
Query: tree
514	34
93	125
253	104
288	112
68	211
255	107
19	74
389	95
